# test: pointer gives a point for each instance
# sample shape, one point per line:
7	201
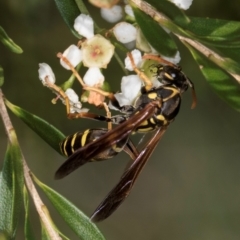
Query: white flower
130	87
83	24
73	54
125	32
128	10
97	52
183	4
113	14
137	58
175	59
93	77
45	71
72	96
75	104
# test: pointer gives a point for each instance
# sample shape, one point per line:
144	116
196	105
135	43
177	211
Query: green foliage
11	186
171	11
221	81
76	220
27	226
8	42
164	44
215	31
45	130
69	11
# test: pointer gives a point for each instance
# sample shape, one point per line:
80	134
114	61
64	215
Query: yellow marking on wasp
144	123
152	95
152	120
145	130
174	93
73	142
84	137
168	76
160	117
116	148
63	146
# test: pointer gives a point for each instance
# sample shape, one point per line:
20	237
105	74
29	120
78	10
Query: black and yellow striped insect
80	139
153	111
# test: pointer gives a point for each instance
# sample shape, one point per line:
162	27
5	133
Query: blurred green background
190	188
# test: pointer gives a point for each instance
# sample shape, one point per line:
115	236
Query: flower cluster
95	53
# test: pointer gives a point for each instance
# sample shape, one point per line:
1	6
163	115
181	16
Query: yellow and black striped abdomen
79	139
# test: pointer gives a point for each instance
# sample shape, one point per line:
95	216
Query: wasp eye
173	75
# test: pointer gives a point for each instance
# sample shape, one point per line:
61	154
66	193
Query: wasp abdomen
80	139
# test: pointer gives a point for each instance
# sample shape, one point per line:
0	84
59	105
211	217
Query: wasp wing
92	149
120	192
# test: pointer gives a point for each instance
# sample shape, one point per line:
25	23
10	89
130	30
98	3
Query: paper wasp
154	110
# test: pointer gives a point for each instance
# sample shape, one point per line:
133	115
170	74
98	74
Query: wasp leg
131	150
61	94
88	116
108	113
147	81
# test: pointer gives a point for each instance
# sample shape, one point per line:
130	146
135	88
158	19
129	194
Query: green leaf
169	9
216	31
232	53
45	130
27	225
222	82
11	189
1	76
78	222
44	233
69	11
8	42
155	34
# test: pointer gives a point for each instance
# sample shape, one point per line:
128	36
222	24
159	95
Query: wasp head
173	75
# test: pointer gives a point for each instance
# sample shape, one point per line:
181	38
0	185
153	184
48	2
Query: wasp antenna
159	59
194	96
194	99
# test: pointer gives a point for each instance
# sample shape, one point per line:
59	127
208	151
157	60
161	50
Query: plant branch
41	208
216	58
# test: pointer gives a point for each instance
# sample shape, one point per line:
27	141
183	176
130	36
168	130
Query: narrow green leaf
45	130
1	76
232	53
69	11
222	82
8	42
11	190
169	9
155	34
78	222
27	225
44	233
216	31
